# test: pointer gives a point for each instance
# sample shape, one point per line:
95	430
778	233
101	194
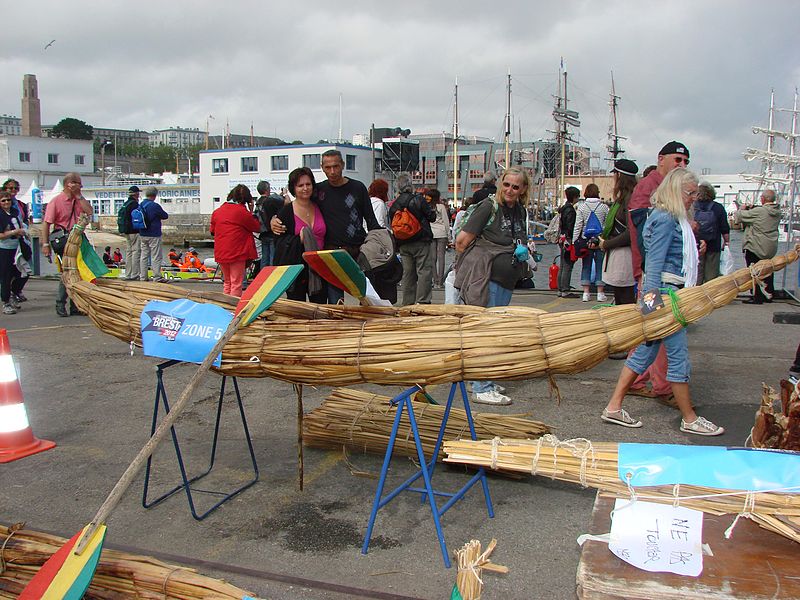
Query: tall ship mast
564	118
614	148
455	147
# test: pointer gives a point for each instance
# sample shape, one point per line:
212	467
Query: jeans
595	257
133	255
267	252
678	366
498	296
151	250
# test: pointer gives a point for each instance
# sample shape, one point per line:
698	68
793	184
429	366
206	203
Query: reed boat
338	345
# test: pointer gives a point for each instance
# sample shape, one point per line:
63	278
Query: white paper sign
658	537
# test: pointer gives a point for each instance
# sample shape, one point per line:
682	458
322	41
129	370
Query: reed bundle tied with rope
471	563
340	345
118	575
362	422
595	464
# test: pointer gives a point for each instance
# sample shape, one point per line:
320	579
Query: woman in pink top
305	231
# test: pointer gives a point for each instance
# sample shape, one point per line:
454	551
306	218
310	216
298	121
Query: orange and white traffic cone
16	436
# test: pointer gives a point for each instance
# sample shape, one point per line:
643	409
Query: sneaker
14	302
161	280
601	297
8	309
492	397
61	310
19	297
585	297
620	417
701	426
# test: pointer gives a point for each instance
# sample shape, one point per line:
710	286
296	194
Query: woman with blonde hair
671	252
492	256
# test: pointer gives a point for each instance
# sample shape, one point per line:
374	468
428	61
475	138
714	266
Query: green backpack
471	209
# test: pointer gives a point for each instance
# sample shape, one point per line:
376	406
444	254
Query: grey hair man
761	239
150	236
415	251
489	187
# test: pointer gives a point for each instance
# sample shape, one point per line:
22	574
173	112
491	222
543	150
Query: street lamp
103	145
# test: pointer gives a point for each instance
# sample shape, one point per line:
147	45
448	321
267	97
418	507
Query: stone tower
31	111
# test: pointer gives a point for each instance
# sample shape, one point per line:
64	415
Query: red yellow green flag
267	287
90	266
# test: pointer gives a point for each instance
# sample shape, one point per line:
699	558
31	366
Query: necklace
306	213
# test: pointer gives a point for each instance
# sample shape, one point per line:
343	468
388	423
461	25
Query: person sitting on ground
175	258
233	226
118	259
672	260
108	260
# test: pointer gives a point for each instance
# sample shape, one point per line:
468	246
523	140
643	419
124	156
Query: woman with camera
672	257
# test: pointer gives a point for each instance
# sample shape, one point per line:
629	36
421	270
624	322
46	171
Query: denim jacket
663	244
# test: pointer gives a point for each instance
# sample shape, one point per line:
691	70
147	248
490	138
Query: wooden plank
753	565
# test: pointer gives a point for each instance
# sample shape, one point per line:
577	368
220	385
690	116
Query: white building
44	159
10	125
221	170
177	137
176	199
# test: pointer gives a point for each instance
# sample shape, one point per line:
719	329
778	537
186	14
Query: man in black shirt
567	224
267	206
344	204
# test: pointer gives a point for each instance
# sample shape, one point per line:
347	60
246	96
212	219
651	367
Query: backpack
593	226
405	225
138	222
707	221
123	221
471	209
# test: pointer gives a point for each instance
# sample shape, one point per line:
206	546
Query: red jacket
233	227
638	205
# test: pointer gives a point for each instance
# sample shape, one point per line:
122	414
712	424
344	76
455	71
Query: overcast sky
699	71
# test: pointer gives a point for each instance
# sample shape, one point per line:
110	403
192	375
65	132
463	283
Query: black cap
625	166
133	189
674	148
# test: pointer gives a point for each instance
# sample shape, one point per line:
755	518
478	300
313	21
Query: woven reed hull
341	345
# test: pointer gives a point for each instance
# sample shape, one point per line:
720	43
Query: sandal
620	417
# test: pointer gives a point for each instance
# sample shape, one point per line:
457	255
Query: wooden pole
298	389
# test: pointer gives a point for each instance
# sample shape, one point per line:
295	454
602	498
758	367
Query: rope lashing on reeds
595	464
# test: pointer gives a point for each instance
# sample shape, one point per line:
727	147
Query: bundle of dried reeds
339	345
118	575
471	562
362	421
595	464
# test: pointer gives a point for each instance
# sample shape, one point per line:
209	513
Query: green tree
73	129
297	143
162	158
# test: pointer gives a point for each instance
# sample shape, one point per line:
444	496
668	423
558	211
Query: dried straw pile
338	345
361	421
594	464
118	575
471	563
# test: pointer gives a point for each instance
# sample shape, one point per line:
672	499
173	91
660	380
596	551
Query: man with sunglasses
671	156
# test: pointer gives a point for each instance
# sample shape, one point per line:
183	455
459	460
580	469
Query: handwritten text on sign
658	537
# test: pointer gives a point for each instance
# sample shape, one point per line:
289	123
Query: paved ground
85	391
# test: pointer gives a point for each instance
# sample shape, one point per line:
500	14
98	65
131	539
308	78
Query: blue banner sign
747	469
182	329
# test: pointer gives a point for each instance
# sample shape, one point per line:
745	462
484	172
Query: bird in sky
50	44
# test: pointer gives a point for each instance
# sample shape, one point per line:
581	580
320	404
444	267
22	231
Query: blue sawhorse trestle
404	403
186	481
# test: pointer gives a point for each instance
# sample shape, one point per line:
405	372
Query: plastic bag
726	261
451	294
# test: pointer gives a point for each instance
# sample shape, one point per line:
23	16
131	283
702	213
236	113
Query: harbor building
221	170
45	160
177	137
10	125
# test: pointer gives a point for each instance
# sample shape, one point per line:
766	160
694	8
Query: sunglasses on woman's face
513	186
